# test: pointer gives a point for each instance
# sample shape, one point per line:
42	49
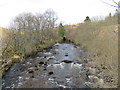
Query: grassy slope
102	41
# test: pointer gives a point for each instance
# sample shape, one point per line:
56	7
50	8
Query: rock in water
50	73
67	61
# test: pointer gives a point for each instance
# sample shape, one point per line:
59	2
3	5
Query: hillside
91	47
101	39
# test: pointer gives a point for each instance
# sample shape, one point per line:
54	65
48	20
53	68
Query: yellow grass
19	44
101	40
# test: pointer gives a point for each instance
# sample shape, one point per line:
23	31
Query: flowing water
62	66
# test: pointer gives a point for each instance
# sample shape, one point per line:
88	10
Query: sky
68	11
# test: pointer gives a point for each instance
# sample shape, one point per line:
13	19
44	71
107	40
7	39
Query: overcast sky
68	11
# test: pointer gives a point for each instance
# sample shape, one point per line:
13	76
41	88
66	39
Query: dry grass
101	39
16	45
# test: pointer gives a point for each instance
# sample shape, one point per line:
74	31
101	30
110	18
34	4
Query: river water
61	66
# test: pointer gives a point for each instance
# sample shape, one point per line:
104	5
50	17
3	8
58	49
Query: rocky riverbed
61	66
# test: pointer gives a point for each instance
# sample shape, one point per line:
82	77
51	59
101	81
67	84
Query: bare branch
111	4
115	2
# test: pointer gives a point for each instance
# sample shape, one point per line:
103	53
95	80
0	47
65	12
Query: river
61	66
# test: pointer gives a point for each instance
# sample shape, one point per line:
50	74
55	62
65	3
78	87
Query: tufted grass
100	38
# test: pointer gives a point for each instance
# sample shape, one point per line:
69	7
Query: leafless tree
23	21
46	20
40	25
28	21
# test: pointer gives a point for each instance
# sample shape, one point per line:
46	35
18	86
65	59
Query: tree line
28	21
28	34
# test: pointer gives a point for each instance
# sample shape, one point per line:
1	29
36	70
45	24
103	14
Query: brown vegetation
100	37
27	35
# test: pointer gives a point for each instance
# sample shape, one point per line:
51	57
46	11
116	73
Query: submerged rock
41	62
30	71
50	73
91	85
75	46
67	61
45	63
44	69
66	55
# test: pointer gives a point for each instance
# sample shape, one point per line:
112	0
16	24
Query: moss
2	72
6	66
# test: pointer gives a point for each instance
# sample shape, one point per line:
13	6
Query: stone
30	71
50	73
41	62
67	61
